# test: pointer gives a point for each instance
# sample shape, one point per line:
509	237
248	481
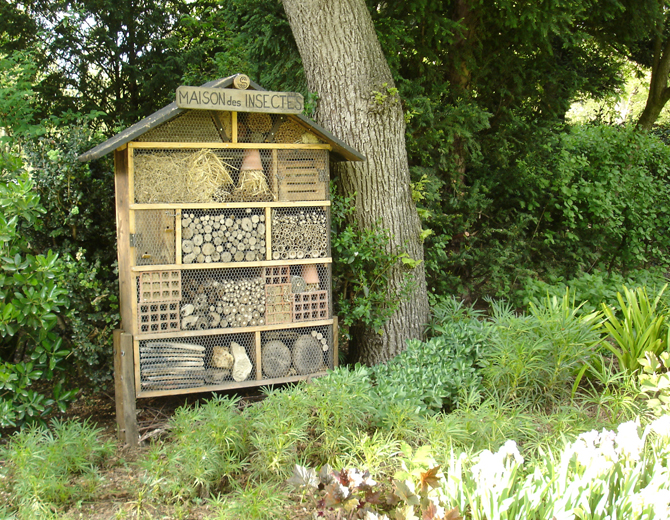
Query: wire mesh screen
295	352
222	298
272	128
197	361
193	126
206	175
154	238
233	235
300	233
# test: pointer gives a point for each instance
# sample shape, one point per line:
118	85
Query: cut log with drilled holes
276	358
307	355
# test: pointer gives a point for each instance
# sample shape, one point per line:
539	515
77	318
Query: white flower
661	426
628	440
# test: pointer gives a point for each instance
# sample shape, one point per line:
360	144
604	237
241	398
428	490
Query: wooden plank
336	342
177	236
268	234
230	385
118	387
128	395
233	265
132	228
273	175
231	205
126	289
149	145
233	117
203	98
259	360
233	330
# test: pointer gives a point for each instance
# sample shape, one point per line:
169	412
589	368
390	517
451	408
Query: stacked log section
237	236
299	234
214	304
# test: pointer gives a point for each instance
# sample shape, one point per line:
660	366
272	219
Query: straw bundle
252	186
258	122
179	177
289	132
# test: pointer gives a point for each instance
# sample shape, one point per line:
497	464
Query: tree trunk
345	66
659	93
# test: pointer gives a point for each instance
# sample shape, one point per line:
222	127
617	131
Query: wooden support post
336	342
268	233
259	361
124	386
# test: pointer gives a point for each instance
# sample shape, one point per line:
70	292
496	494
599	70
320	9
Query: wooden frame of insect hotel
223	229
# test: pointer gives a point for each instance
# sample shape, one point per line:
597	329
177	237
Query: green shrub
51	467
593	288
534	357
309	421
30	300
207	446
431	375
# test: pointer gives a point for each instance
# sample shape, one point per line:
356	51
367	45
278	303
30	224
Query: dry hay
258	122
180	177
251	185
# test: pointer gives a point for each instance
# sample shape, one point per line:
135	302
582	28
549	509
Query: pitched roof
171	111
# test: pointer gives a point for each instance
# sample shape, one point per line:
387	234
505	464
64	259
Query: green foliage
362	265
208	446
30	300
309	422
431	376
254	502
655	381
592	288
42	468
641	329
534	357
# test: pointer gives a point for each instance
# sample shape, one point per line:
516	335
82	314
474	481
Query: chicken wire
257	127
231	235
154	238
296	352
300	233
193	126
206	299
205	175
176	363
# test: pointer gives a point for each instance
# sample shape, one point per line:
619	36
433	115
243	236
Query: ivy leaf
453	514
430	478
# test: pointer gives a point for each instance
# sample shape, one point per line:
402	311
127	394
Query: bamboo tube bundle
236	237
297	235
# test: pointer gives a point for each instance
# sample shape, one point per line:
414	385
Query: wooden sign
240	100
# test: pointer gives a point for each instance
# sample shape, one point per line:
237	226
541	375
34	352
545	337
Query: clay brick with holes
310	306
278	303
158	317
277	275
160	286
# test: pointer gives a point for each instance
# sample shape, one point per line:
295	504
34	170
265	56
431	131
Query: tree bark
345	66
659	93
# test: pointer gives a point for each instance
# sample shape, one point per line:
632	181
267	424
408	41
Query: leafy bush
655	382
208	445
534	357
44	467
30	300
431	375
592	288
361	269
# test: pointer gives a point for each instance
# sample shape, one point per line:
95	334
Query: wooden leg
124	386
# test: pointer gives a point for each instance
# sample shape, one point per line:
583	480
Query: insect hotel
223	229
